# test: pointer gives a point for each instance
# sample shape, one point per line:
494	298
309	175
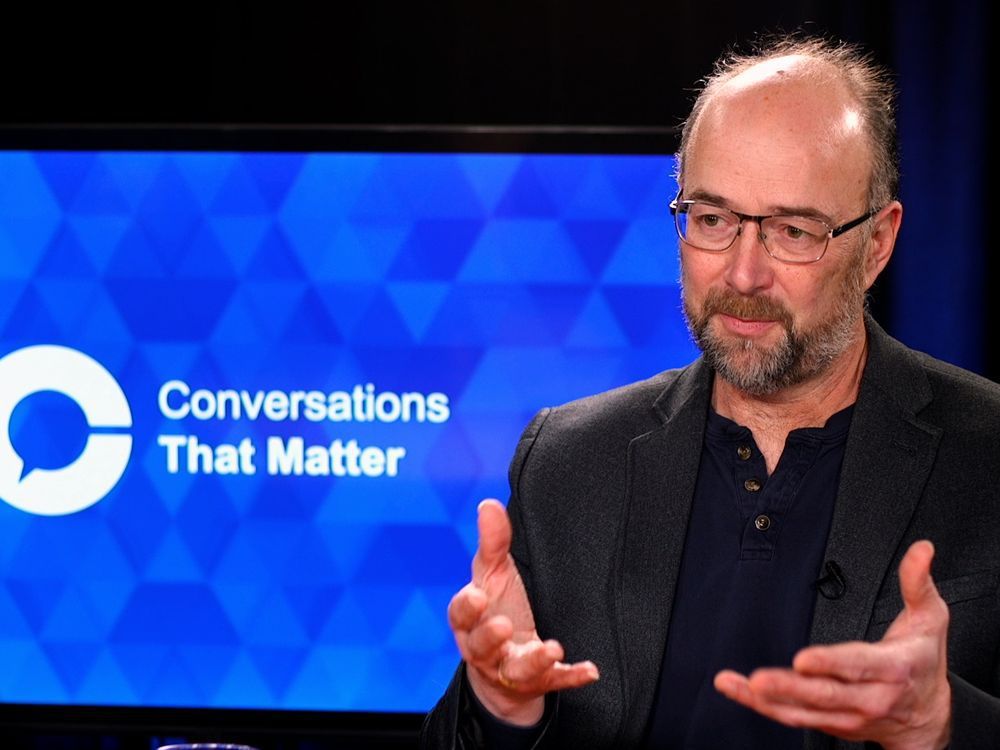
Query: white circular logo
101	463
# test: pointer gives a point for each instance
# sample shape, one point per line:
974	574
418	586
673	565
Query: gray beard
799	355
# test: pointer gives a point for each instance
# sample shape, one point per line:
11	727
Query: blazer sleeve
453	723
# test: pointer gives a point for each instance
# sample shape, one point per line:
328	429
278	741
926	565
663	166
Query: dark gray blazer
601	491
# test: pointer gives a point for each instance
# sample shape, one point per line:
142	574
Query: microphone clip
831	585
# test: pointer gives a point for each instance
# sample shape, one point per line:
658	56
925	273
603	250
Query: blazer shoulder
928	388
634	408
954	379
960	397
592	434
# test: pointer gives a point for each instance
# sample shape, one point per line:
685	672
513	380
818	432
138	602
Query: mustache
757	307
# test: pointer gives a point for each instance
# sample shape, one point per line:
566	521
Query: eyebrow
806	212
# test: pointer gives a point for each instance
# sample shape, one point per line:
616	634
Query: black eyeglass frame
831	232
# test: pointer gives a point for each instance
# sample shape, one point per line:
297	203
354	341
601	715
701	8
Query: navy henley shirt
752	557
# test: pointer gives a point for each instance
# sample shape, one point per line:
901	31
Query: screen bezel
265	726
373	138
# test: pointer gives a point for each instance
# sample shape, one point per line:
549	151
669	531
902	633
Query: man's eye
713	221
799	230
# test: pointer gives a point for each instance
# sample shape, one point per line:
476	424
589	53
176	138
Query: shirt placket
764	501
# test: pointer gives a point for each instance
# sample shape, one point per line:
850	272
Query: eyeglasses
790	239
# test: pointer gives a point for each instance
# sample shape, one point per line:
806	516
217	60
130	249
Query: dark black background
555	62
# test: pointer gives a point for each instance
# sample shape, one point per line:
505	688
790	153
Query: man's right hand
509	667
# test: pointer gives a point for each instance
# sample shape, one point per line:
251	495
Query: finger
915	582
848	725
532	659
833	720
541	667
734	686
768	686
526	663
466	607
562	676
486	643
853	662
494	536
784	686
537	666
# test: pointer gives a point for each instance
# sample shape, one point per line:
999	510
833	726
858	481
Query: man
685	539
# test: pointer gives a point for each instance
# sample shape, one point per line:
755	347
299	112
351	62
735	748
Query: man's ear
883	239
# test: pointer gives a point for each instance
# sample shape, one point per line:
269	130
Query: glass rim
819	249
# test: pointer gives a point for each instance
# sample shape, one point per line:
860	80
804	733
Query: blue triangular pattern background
99	236
29	215
507	281
65	257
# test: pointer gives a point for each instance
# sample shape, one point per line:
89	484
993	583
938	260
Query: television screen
249	400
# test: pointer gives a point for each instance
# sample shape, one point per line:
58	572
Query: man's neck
808	404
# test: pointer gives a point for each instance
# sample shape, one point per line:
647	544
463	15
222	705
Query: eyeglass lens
712	228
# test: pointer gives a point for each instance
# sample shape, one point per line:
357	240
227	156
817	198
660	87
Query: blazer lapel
663	467
888	458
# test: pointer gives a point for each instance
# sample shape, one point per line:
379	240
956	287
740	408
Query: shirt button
752	485
744	452
762	522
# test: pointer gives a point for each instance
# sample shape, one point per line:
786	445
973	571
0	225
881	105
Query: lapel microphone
831	585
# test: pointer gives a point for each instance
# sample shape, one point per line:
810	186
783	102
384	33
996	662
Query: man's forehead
788	99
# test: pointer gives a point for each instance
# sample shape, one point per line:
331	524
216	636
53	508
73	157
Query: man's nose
750	267
759	231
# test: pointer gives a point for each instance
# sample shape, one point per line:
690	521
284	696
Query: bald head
808	94
802	89
786	130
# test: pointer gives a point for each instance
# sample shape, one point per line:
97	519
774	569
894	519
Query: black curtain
944	267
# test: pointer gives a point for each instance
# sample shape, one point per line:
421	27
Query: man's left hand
894	692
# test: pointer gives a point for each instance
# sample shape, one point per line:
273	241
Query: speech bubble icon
48	430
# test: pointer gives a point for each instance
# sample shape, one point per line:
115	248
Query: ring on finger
503	679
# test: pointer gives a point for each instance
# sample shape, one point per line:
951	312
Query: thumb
915	582
494	536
